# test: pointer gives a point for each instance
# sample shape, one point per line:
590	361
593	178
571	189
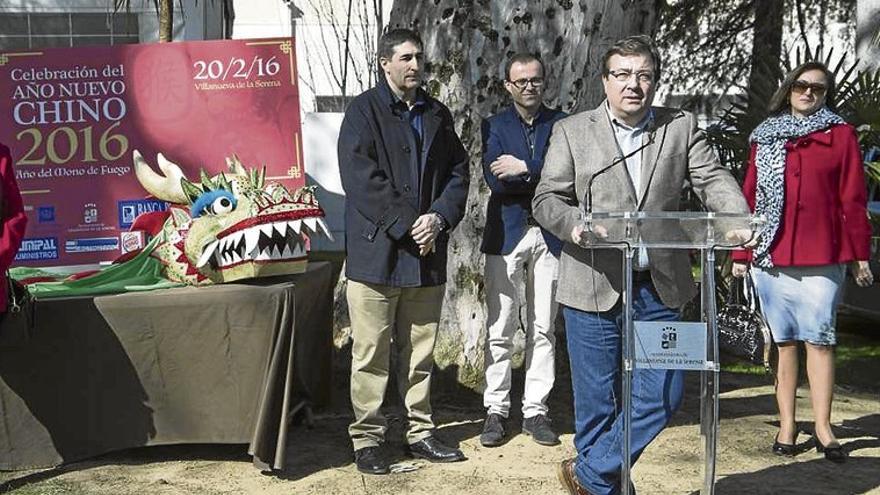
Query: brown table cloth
221	364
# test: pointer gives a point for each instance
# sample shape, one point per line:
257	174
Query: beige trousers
529	271
380	315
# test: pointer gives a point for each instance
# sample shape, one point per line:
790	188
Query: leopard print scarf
771	137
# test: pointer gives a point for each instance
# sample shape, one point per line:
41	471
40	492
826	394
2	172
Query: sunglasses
800	87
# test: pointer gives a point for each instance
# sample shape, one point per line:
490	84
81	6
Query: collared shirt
629	140
529	130
413	115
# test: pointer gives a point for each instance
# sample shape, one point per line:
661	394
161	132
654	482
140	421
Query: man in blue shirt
520	256
405	176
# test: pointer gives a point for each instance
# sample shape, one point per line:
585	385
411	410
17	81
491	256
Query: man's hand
861	271
577	233
740	269
426	249
508	167
745	237
425	230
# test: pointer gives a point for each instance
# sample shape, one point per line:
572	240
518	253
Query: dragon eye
220	206
217	203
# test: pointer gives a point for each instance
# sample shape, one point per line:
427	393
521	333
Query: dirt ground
319	459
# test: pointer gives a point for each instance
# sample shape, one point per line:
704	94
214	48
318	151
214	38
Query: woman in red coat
805	174
13	220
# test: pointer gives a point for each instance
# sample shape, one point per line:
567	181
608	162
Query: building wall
197	21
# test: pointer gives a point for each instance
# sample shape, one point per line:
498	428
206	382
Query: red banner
73	116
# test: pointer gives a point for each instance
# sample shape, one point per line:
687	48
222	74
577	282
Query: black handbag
742	330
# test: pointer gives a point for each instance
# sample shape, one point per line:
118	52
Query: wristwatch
441	221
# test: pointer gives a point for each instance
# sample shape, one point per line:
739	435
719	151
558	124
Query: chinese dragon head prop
228	227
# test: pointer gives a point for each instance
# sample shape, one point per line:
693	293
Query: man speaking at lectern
624	155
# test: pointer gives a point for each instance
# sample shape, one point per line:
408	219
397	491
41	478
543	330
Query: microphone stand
588	201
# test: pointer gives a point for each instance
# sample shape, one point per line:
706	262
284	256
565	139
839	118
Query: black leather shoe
493	431
538	427
370	460
785	449
433	450
833	452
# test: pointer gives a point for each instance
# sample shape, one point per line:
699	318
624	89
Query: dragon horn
167	187
235	165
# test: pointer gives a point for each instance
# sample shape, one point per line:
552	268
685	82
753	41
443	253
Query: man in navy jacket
519	254
405	176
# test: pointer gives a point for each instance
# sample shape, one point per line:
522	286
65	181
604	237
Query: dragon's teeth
286	252
299	251
276	252
296	225
229	241
206	254
281	227
235	257
251	236
312	223
266	229
325	229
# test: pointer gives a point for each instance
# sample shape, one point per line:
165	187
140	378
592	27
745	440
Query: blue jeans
594	349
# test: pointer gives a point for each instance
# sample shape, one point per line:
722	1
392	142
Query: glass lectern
699	231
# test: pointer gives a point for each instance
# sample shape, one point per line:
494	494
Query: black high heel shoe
786	449
833	453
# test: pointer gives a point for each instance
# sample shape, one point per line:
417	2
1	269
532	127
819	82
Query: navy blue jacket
510	202
378	153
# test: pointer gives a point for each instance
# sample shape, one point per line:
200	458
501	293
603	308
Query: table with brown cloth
227	363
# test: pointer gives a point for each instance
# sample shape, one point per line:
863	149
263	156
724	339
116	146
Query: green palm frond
872	171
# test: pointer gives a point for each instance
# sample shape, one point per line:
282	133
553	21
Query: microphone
618	159
589	201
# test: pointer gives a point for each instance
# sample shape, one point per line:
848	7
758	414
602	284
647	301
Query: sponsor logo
90	213
46	214
130	209
91	245
132	241
38	248
669	340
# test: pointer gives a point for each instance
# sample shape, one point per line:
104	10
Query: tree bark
467	43
166	21
765	74
868	33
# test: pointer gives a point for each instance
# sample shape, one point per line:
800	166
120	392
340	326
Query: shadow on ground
857	475
136	457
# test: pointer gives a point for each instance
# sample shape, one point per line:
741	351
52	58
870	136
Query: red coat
824	217
13	219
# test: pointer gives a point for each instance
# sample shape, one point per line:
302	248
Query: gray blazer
676	152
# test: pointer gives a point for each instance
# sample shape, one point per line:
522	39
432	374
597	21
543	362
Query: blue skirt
800	302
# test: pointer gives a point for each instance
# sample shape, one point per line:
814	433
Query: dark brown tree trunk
467	43
764	76
166	21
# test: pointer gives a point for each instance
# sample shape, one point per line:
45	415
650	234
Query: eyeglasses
536	82
625	75
800	87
